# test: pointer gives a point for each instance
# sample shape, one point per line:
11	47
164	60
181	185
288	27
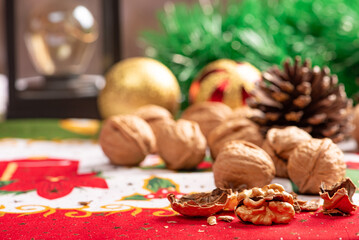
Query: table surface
56	183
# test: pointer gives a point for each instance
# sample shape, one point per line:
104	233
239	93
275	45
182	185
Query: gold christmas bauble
136	82
225	81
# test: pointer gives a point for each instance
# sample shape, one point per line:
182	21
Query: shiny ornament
136	82
225	81
60	37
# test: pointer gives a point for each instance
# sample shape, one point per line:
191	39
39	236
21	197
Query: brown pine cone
306	97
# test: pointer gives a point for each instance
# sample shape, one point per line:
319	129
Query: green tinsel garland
262	32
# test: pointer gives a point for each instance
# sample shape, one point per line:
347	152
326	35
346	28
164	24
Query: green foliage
155	183
4	183
262	32
135	197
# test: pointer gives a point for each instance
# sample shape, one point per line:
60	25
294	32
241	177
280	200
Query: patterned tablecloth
56	183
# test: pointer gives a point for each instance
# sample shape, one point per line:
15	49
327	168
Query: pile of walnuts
242	158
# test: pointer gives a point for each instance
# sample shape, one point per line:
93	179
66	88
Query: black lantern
57	55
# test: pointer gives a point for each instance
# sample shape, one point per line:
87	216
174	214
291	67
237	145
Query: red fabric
146	224
51	178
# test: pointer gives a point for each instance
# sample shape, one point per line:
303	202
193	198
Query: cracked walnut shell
126	140
242	164
181	144
338	199
316	161
207	114
236	129
280	143
266	205
203	203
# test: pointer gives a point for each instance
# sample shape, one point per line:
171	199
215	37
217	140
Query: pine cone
302	96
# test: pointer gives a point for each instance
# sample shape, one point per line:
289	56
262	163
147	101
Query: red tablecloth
66	189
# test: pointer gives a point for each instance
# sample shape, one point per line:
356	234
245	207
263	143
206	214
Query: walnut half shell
338	199
201	204
266	205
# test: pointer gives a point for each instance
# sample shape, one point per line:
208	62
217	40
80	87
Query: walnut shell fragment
126	140
280	143
304	206
265	206
316	161
242	164
207	114
236	129
181	144
226	218
338	199
201	204
212	220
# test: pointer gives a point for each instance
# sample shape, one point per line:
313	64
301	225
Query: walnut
242	164
181	144
241	129
316	161
266	205
152	114
126	140
355	132
207	114
338	199
280	143
244	112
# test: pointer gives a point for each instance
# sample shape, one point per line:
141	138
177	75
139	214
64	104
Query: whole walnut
207	114
153	114
236	129
242	164
181	144
355	132
280	143
316	161
126	139
244	112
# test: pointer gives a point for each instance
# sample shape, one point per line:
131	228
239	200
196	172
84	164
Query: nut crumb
85	203
212	220
200	230
165	226
226	218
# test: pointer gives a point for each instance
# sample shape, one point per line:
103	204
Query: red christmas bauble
225	81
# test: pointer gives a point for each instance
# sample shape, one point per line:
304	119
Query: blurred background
134	17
